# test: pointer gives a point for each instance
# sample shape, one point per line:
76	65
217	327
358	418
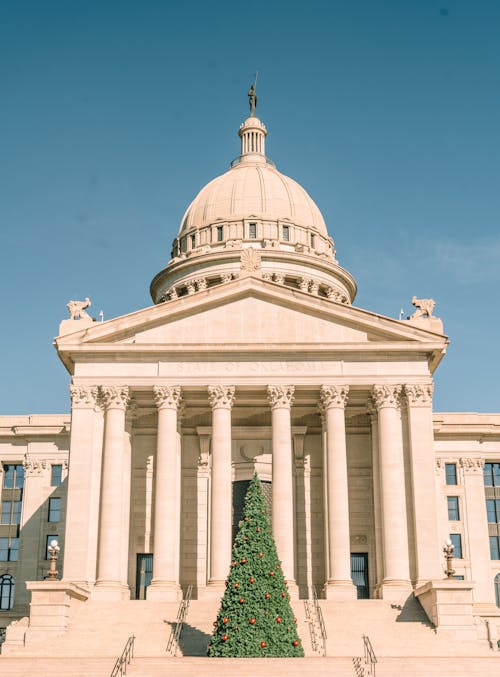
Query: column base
293	589
213	590
164	591
395	590
110	591
340	591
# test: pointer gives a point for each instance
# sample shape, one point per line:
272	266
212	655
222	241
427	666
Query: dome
253	190
254	207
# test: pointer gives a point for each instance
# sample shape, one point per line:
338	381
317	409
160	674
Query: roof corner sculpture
77	309
424	307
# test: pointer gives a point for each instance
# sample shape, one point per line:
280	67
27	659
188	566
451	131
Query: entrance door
240	488
359	573
144	574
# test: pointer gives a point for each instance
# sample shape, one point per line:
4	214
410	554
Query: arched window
497	589
6	592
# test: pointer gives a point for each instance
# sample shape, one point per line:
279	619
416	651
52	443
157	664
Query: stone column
281	398
476	544
377	521
396	581
165	583
82	508
221	400
421	442
338	584
109	566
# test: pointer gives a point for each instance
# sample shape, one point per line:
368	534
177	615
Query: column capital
83	396
387	396
334	396
221	397
114	397
280	397
167	397
419	395
471	465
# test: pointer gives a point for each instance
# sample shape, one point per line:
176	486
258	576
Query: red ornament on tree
244	560
252	580
263	645
252	621
242	601
236	585
224	638
278	619
283	594
234	563
258	530
261	554
268	596
225	619
271	573
295	643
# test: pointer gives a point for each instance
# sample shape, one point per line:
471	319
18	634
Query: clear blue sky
114	114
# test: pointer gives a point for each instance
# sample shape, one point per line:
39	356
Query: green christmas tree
255	618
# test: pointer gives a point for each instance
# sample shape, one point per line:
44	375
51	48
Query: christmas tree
255	618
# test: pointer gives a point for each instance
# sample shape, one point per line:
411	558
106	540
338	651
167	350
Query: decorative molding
418	395
115	397
250	260
387	396
334	396
83	396
359	540
201	283
167	397
298	439
280	396
34	467
221	396
279	278
226	277
471	465
439	465
150	464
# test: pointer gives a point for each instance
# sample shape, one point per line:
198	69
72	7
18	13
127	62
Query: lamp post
53	549
448	549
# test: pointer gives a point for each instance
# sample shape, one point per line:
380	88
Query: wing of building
253	358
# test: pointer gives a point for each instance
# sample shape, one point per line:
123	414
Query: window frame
7	581
453	510
52	509
252	230
456	540
453	474
53	474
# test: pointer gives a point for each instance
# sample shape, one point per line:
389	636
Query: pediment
249	311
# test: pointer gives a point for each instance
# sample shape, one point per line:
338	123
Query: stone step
55	665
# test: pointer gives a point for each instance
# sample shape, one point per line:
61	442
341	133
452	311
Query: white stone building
252	358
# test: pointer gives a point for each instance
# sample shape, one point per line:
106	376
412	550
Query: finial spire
252	96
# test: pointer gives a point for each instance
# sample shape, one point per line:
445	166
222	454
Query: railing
317	629
173	640
369	655
124	660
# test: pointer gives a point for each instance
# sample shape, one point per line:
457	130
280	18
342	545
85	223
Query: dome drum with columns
254	206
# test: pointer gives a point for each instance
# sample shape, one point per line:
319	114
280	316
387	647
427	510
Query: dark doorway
240	488
359	574
144	574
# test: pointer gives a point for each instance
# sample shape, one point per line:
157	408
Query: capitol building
253	358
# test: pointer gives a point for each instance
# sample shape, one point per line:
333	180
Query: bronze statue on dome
252	96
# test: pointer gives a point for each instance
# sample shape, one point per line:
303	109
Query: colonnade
389	482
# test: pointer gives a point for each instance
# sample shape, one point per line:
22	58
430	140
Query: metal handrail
124	660
175	634
312	624
369	654
319	613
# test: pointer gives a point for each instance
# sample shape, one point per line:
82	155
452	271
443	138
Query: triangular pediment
249	311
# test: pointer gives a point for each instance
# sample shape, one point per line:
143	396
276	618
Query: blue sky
114	114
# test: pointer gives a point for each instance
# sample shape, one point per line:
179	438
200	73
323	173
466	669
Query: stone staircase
56	665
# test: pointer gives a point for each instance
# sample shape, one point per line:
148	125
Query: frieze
419	395
280	396
221	396
360	539
334	396
167	397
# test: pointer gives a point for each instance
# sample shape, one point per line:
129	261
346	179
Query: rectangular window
493	510
11	512
494	547
450	470
286	233
491	474
456	540
50	538
13	477
54	509
9	549
313	240
252	230
220	233
453	508
193	241
56	476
